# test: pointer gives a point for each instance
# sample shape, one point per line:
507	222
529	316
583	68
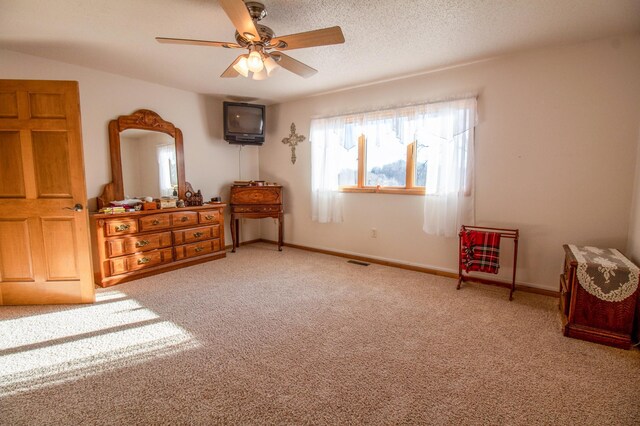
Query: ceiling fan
264	47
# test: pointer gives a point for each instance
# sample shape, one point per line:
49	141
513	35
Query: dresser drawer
196	234
212	216
197	249
135	262
256	209
184	219
121	226
155	221
122	246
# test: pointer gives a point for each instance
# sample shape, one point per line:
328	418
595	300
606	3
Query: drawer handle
143	260
199	249
142	243
209	217
155	222
198	234
184	219
123	227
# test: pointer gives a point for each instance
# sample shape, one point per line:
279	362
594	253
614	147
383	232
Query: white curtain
166	167
444	128
326	137
449	191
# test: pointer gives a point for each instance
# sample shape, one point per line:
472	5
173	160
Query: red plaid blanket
480	251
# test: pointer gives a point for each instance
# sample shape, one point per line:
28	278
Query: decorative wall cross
293	140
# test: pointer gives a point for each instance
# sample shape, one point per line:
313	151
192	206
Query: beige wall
211	164
633	245
555	155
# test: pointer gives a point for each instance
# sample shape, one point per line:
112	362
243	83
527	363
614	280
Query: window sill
383	190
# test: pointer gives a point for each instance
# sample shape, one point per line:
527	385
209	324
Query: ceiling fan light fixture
270	65
261	75
241	66
254	62
258	63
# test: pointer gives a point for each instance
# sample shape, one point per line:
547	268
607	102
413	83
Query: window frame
409	189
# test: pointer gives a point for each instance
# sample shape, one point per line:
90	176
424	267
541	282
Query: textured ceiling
384	38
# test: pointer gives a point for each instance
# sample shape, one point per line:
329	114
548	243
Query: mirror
147	158
148	164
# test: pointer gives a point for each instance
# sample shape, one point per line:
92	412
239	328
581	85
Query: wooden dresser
128	246
587	317
255	202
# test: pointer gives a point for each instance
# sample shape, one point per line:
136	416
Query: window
423	149
387	167
385	153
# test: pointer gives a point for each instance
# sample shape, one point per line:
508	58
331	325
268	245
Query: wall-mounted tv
244	123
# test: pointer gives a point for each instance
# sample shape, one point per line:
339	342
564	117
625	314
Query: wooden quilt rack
504	233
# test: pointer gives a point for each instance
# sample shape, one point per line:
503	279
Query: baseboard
244	243
519	287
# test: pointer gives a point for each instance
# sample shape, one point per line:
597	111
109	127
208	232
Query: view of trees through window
386	165
390	174
421	165
394	174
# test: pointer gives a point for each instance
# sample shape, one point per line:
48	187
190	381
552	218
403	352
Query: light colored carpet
264	337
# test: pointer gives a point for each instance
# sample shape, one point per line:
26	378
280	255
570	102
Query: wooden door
44	237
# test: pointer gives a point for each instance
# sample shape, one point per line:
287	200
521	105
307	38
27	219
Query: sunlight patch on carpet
54	348
110	295
41	328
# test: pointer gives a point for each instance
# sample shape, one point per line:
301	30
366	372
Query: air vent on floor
356	262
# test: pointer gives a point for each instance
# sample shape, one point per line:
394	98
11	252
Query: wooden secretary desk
255	202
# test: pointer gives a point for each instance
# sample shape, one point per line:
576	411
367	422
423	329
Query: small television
244	123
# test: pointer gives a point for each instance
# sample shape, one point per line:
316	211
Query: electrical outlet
374	233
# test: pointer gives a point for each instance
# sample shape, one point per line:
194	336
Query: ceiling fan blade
295	66
237	12
323	37
169	40
231	72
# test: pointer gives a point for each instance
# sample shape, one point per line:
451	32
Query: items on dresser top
192	198
168	203
138	204
598	295
255	202
133	245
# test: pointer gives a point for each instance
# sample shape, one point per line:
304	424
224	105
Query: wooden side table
255	202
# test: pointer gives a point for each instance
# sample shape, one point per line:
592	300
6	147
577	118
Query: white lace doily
599	269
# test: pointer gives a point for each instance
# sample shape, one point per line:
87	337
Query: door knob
77	208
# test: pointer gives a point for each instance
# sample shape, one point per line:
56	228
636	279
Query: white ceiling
384	38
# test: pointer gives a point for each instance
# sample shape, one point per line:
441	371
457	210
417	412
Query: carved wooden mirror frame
143	119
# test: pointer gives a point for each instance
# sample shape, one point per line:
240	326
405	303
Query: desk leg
233	233
280	230
238	232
